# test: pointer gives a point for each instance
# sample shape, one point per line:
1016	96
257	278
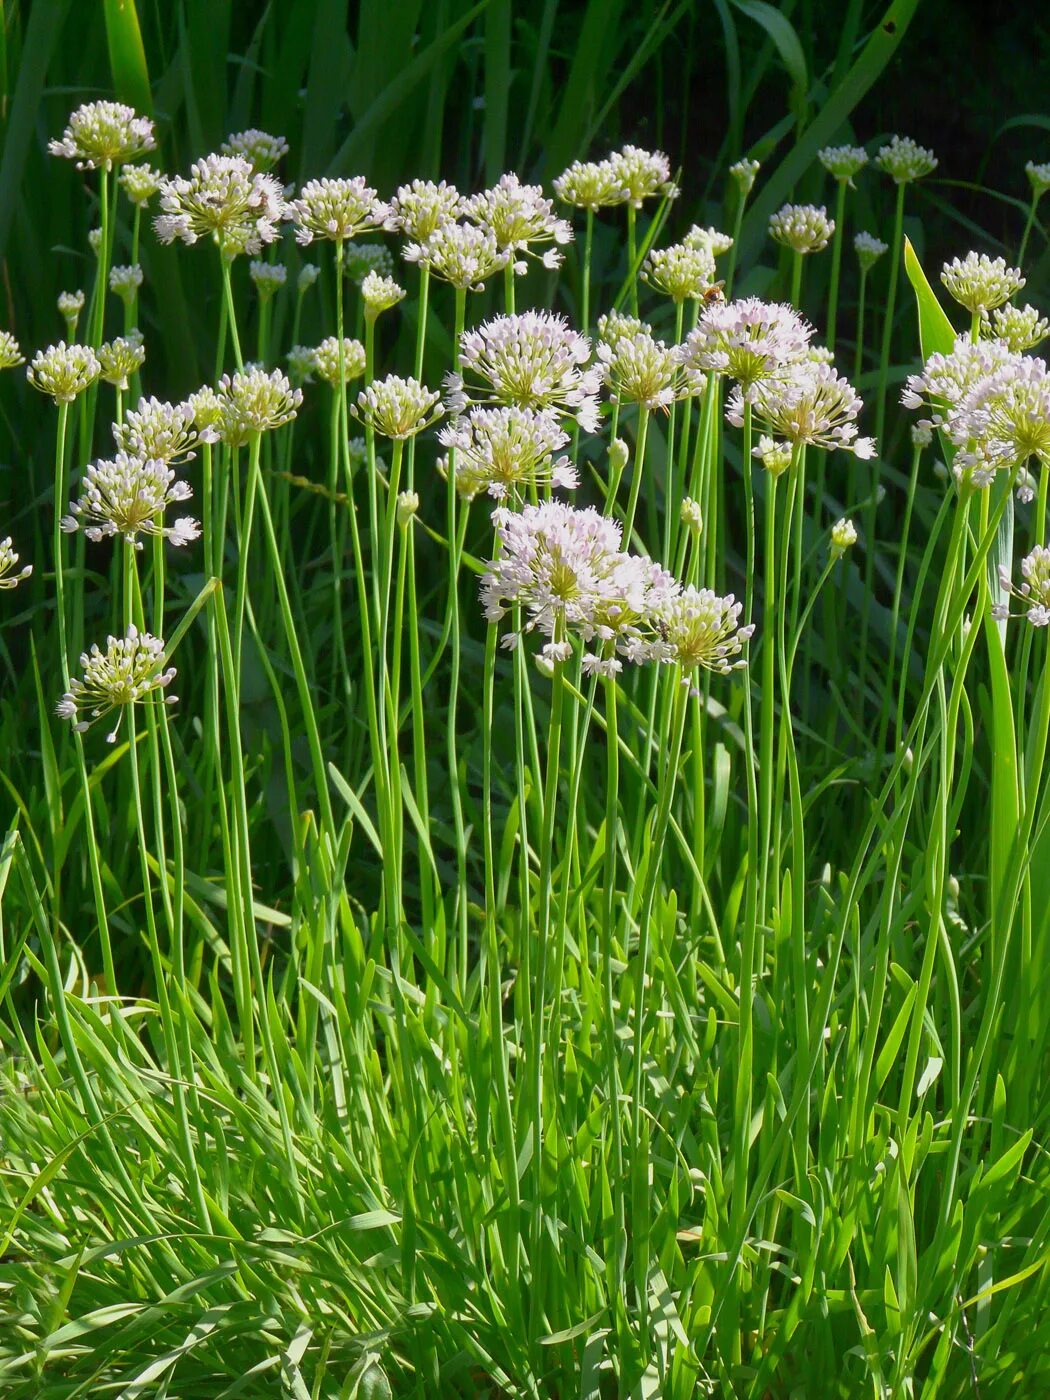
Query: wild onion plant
539	952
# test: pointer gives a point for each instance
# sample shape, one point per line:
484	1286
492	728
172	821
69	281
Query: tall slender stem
836	261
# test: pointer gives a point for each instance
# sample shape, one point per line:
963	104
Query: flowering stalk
455	545
588	241
858	356
836	261
887	325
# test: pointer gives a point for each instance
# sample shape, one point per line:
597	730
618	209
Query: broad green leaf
936	333
127	57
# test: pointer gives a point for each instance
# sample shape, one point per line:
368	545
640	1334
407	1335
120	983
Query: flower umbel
747	340
1034	592
701	629
63	371
258	147
120	359
128	496
130	670
225	198
398	408
812	404
507	451
125	282
640	369
843	162
9	563
981	283
10	351
591	184
534	360
869	250
643	174
461	254
163	432
326	360
255	402
904	160
423	206
518	216
104	134
682	271
1020	327
336	209
805	228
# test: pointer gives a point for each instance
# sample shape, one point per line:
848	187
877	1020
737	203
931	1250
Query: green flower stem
836	261
747	462
887	325
637	474
1029	222
418	711
858	354
610	922
674	483
796	279
632	255
738	222
251	487
640	1202
508	288
588	243
455	537
774	604
898	589
231	313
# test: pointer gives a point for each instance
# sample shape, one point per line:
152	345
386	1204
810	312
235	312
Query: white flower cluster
131	669
567	571
128	496
591	184
125	282
1038	178
683	271
518	216
463	255
643	174
843	162
223	197
981	283
63	371
258	147
1020	327
359	259
904	160
808	403
336	209
804	228
140	183
419	208
104	134
1034	592
380	294
533	360
267	277
10	575
163	432
326	360
747	340
398	408
992	403
869	250
640	369
255	402
507	453
743	173
10	351
714	240
120	359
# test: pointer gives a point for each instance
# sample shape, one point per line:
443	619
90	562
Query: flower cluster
258	147
418	209
643	174
127	496
326	360
9	578
104	134
683	271
533	360
120	359
63	371
163	432
1020	327
1038	178
591	184
125	282
70	305
131	669
398	408
981	283
380	294
640	369
140	183
518	216
507	452
1034	592
359	259
10	351
267	277
712	239
743	173
843	162
869	250
336	209
748	340
461	254
225	198
255	402
810	405
805	228
904	160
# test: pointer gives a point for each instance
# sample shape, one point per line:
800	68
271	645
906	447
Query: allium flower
258	147
407	506
805	228
128	496
104	134
461	254
843	162
421	207
980	283
811	404
308	275
641	370
643	174
326	360
746	340
380	294
843	536
951	386
8	563
95	241
224	198
1034	592
691	515
163	432
904	160
507	451
359	259
125	282
1038	178
615	326
1005	418
120	358
869	250
921	435
533	360
398	408
591	184
776	457
255	402
130	670
1020	327
63	371
712	239
302	361
268	277
10	352
700	629
70	305
140	183
518	216
680	271
204	407
743	173
336	209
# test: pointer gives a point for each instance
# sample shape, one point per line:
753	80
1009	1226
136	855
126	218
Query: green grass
392	1017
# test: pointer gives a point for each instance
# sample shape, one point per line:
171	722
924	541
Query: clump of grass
576	931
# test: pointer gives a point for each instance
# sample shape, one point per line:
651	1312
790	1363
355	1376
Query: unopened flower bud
407	505
619	455
843	536
692	517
